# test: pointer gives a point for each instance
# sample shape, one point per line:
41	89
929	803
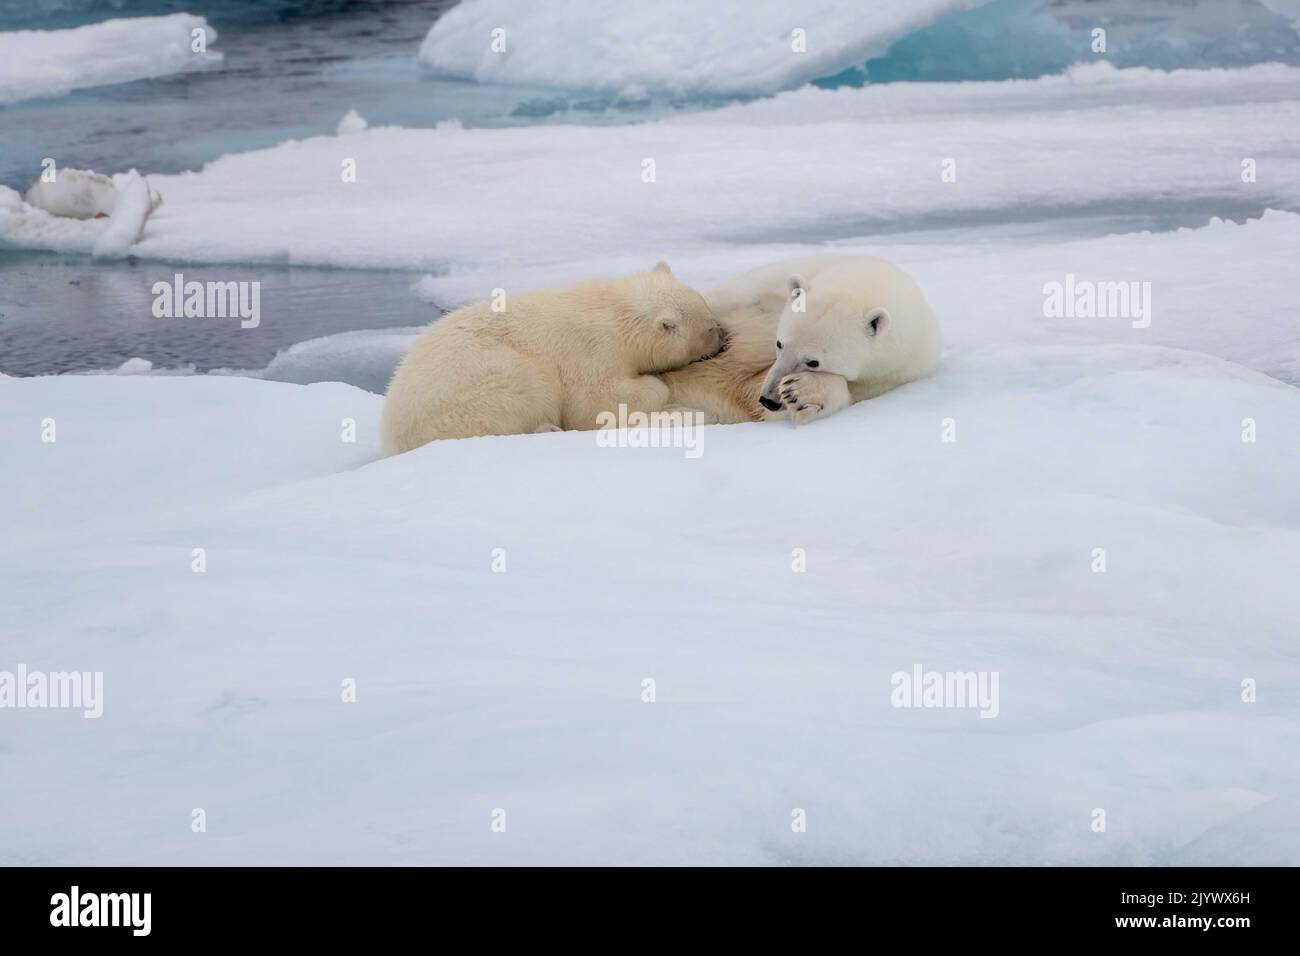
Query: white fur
857	360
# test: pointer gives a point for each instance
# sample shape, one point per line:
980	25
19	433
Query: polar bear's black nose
767	403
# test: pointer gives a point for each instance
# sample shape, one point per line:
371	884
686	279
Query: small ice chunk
353	122
40	63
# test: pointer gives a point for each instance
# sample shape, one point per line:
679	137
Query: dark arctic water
72	313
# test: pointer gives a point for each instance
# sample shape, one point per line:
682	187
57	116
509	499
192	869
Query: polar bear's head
674	326
836	335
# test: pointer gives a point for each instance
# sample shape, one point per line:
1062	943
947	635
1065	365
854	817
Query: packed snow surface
36	63
522	690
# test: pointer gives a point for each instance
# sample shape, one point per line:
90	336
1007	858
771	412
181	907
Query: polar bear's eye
778	343
812	363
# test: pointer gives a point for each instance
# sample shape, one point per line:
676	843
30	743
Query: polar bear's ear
662	266
795	282
876	321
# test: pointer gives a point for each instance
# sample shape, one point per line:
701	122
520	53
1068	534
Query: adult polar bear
807	337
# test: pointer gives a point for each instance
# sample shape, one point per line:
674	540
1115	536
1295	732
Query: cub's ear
795	282
876	321
662	266
667	322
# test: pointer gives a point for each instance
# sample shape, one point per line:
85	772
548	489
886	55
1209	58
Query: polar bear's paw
804	397
809	395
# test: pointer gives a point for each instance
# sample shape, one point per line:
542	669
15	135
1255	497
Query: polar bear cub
548	361
858	328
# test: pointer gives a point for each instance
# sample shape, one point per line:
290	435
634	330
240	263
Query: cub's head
827	335
676	325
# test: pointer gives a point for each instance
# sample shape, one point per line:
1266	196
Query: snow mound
134	366
724	46
523	690
36	63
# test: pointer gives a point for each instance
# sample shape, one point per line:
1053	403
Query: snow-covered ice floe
755	47
37	63
813	165
725	46
774	691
